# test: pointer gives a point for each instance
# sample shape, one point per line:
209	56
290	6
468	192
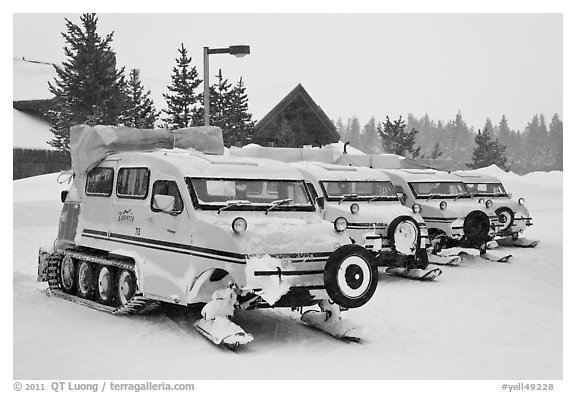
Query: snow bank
39	188
543	179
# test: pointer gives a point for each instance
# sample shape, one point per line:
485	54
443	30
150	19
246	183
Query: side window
99	182
167	187
133	183
312	191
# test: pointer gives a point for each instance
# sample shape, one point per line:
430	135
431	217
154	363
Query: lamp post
235	50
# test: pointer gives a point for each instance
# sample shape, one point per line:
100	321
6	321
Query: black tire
355	285
506	217
477	228
106	285
125	286
85	280
395	223
67	274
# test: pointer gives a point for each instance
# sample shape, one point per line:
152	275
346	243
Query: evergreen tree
396	140
88	87
369	137
534	154
183	102
487	152
340	128
140	111
241	123
220	104
436	152
556	142
490	128
354	135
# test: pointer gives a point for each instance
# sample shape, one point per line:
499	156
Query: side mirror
63	196
164	203
403	198
320	202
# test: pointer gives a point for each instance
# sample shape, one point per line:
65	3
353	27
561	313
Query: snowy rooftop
322	171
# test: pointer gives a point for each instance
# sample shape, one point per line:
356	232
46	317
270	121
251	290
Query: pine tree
369	138
88	87
241	123
183	102
396	140
340	128
436	152
140	111
556	143
487	152
220	104
354	135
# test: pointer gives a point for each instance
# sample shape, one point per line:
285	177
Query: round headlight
340	224
239	225
443	205
521	201
488	203
416	208
481	200
354	208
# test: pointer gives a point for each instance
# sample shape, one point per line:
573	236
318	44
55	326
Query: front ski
414	274
520	242
334	326
444	260
222	331
495	258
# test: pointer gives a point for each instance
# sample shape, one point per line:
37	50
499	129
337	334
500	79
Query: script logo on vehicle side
126	216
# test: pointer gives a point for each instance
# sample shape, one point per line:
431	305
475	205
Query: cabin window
167	187
133	183
100	182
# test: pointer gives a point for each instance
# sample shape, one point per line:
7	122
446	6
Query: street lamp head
239	50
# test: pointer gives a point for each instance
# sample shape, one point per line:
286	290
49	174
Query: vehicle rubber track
138	304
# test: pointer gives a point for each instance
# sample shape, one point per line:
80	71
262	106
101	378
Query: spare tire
506	218
477	227
411	229
351	276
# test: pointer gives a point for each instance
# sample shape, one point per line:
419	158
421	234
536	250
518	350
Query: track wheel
105	287
86	280
68	274
126	286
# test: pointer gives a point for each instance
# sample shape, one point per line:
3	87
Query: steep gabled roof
299	92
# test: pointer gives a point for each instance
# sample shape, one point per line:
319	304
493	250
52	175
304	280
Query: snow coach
512	213
364	201
455	221
159	216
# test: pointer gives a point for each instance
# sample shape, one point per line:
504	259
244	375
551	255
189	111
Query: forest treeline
537	147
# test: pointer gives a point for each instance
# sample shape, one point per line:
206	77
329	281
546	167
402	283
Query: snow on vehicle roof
476	177
323	171
423	175
190	163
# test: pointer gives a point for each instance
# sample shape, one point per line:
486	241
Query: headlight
340	224
416	208
481	200
239	225
443	205
521	201
488	203
354	208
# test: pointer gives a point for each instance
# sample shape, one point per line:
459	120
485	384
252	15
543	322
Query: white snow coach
453	218
512	213
163	224
364	201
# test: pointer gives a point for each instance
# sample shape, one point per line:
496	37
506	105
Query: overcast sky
484	65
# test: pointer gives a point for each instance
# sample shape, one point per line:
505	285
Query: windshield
359	190
439	190
249	194
486	189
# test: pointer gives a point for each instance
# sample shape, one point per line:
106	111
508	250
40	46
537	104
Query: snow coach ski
158	217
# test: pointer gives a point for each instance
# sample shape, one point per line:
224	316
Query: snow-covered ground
481	320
